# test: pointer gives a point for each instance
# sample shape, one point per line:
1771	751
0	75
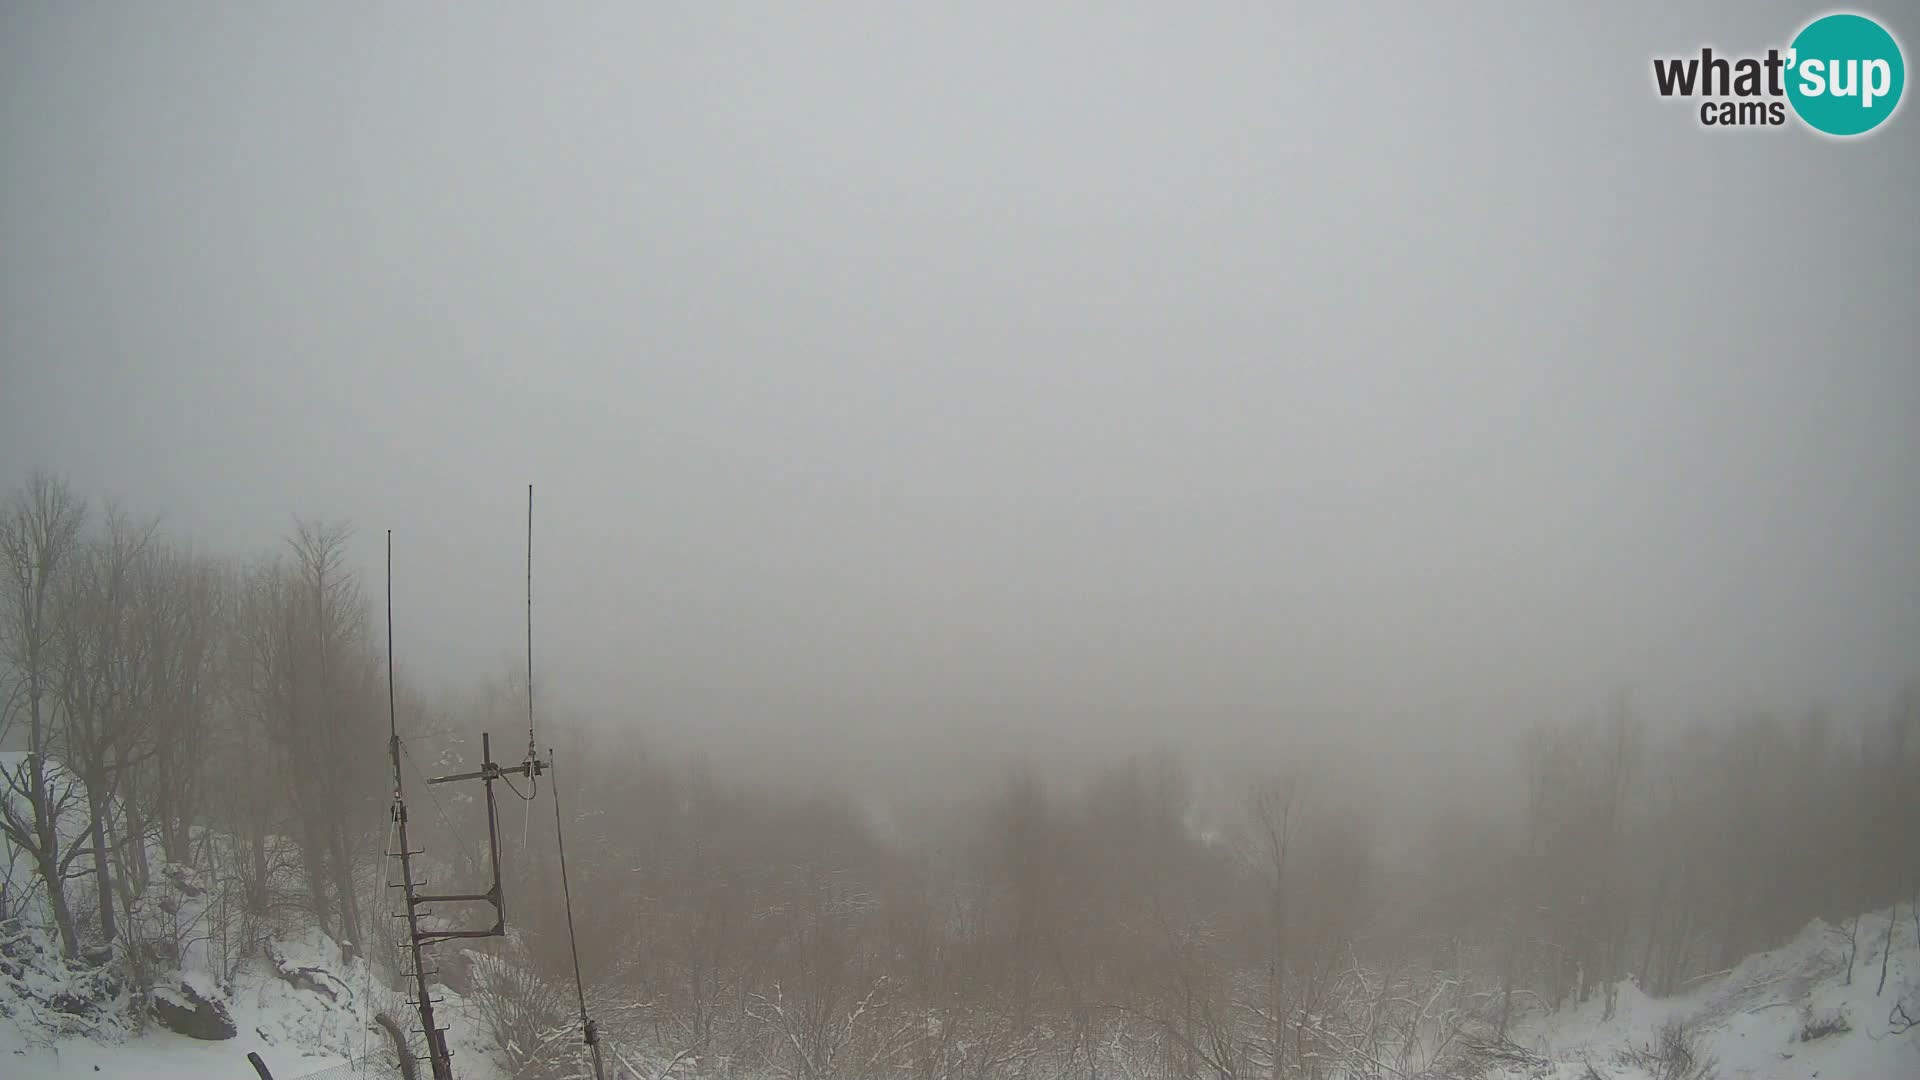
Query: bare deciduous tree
40	529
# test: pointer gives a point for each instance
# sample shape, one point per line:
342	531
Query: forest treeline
175	714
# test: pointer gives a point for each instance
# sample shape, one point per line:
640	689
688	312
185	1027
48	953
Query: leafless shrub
528	1019
1476	1056
1675	1055
1819	1027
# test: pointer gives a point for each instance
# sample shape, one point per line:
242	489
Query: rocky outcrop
185	1010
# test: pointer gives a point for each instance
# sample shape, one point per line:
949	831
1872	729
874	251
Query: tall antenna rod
588	1031
393	724
531	753
436	1037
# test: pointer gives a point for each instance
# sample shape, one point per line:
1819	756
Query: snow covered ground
302	1007
307	1012
316	1022
1750	1021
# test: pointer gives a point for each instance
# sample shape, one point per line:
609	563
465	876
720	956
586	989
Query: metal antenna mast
417	902
436	1036
417	938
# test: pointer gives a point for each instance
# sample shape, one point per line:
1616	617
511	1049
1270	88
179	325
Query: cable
366	964
472	859
588	1032
566	892
526	825
528	797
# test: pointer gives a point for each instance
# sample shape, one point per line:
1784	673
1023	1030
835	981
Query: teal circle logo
1845	74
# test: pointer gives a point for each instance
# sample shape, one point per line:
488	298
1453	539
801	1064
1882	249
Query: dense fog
1260	542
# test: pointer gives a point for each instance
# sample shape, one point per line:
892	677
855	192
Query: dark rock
19	947
72	1004
184	1010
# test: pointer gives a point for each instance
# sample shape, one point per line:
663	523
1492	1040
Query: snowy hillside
302	1008
1786	1014
300	1005
1817	1007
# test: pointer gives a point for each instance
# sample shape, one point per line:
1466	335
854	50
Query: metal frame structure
439	1055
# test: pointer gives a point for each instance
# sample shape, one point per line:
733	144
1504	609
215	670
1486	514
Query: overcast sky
1177	367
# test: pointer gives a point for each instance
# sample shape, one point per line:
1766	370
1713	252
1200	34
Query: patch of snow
1749	1019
